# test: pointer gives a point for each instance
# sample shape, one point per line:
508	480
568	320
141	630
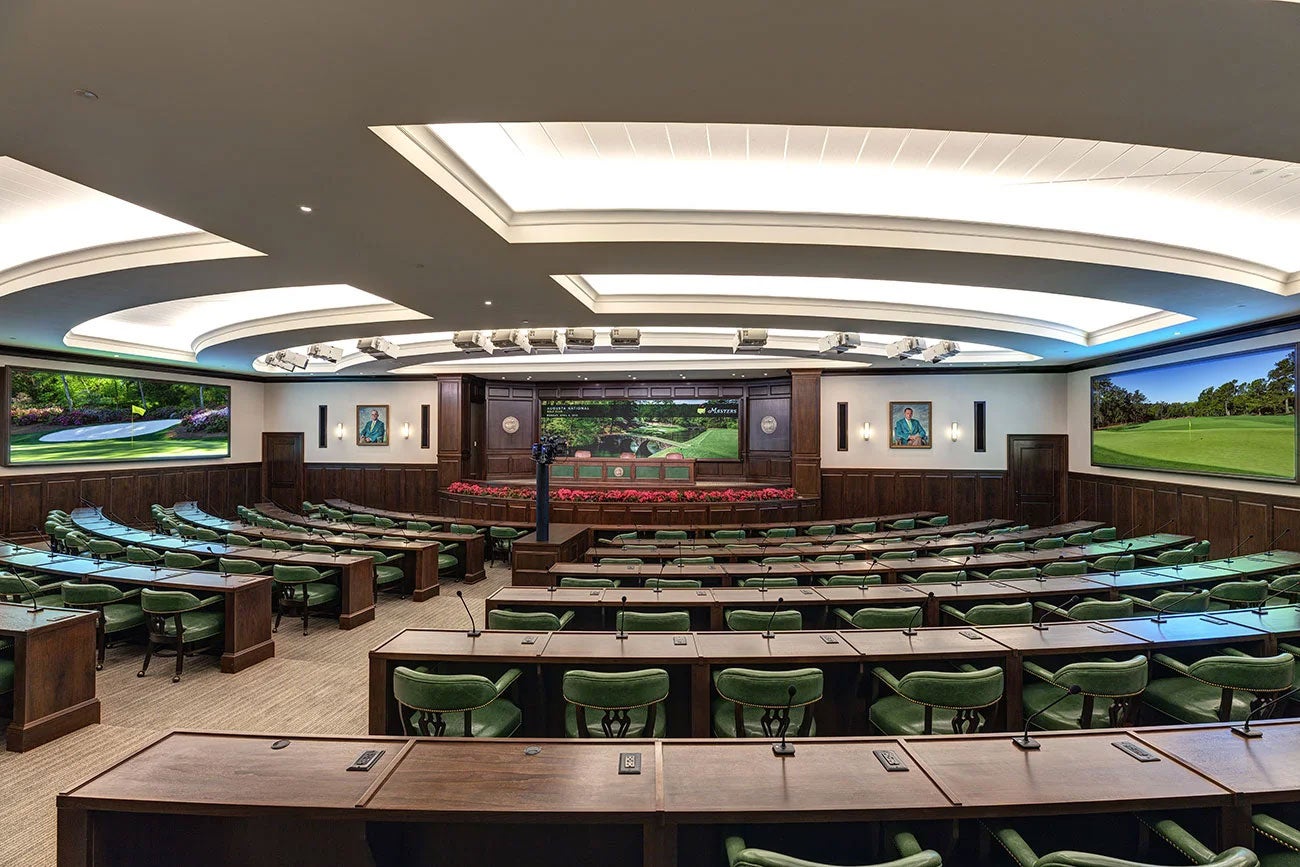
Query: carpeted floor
316	684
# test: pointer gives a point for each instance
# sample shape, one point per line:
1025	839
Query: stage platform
530	482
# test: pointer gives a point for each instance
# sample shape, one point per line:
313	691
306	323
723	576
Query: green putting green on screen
27	449
718	444
1234	445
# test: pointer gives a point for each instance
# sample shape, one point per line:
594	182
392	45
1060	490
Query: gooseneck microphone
768	633
621	633
1268	552
1025	742
1240	544
1157	530
920	610
1041	626
473	631
1160	612
867	574
1115	563
785	748
1290	588
1245	731
762	579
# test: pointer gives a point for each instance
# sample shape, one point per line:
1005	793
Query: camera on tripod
549	448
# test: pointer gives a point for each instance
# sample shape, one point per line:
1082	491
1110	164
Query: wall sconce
338	430
866	431
954	432
406	430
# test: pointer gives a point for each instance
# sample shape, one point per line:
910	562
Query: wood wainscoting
1225	517
632	514
397	487
126	494
963	495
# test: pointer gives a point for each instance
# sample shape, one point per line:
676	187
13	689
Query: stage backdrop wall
292	406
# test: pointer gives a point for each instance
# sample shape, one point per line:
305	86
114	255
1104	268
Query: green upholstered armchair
421	526
6	675
20	589
309	548
898	555
456	705
447	561
770	581
1287	586
936	577
1090	609
779	533
727	534
1007	548
1200	550
744	620
238	540
386	574
820	530
936	521
301	588
624	537
181	621
591	583
757	704
1078	538
312	510
1174	601
863	580
1105	534
273	524
960	701
863	527
666	535
1010	573
958	551
367	520
1064	567
1180	557
142	556
528	621
464	529
991	614
335	515
118	611
385	523
1218	688
235	566
76	542
784	558
674	583
835	558
902	524
653	621
1117	684
615	704
910	854
880	618
1197	852
1237	594
1023	854
646	547
501	540
1049	543
928	537
1113	563
691	561
105	549
274	545
56	532
203	534
186	531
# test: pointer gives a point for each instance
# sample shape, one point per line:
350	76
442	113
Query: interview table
54	654
237	798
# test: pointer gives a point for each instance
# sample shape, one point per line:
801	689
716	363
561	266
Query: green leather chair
1180	557
1173	601
77	542
1078	538
202	534
1237	594
302	588
384	523
464	529
910	854
794	545
589	583
273	524
1023	854
234	566
1217	688
1200	550
902	524
275	545
1114	563
898	555
1064	567
863	580
880	618
186	560
653	621
19	589
1197	852
105	549
186	531
1016	573
835	558
1287	586
936	521
238	541
501	540
960	701
779	533
929	537
1007	548
311	510
758	704
666	535
456	705
180	621
745	620
640	548
119	611
863	527
957	551
528	621
820	530
1049	543
1090	609
720	535
770	581
364	520
784	558
691	561
1119	685
624	537
447	562
615	704
387	576
1105	534
991	614
309	548
420	526
56	532
620	561
142	556
674	583
936	577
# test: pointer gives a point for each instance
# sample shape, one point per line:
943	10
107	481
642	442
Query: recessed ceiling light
487	303
306	209
86	94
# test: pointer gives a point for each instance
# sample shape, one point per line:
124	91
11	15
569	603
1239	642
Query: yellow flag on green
137	410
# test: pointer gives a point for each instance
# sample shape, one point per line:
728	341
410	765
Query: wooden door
282	469
1037	468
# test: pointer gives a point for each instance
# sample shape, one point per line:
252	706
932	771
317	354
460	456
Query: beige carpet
315	685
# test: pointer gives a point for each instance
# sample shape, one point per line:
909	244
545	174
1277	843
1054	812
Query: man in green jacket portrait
910	432
373	432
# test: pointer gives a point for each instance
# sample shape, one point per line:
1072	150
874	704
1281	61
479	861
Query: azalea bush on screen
627	495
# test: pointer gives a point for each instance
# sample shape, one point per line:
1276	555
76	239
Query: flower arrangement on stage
627	495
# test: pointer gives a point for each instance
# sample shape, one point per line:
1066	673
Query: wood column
806	432
453	428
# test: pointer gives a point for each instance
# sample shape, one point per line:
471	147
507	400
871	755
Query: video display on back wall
1232	415
704	429
61	417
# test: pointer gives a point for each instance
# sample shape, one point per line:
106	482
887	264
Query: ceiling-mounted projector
272	361
839	341
472	342
905	347
377	347
546	340
624	338
940	350
511	340
749	340
287	360
327	352
580	339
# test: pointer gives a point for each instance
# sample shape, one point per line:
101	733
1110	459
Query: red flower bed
627	495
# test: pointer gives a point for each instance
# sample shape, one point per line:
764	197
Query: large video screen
60	417
1233	415
705	429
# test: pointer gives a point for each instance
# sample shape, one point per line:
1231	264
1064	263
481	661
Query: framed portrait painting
909	424
372	425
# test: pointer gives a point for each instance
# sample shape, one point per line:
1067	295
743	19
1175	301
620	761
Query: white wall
1017	403
1080	413
246	414
292	406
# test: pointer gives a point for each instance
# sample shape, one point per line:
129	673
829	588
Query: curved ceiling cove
1211	215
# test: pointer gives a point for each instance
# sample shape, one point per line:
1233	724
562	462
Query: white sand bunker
97	432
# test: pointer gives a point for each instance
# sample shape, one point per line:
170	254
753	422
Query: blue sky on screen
1181	382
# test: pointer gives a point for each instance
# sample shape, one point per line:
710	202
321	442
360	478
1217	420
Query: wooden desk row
843	655
54	673
419	559
356	573
233	798
472	544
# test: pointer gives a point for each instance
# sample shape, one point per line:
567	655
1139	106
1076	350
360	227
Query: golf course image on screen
705	429
1231	415
64	417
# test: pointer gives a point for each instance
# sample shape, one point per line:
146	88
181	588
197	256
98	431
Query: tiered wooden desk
54	656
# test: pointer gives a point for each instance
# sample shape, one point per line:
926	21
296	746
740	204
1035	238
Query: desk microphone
1115	571
920	609
1041	626
1157	530
1245	731
31	592
1228	559
867	573
1160	612
1268	552
785	748
762	579
621	634
768	633
473	630
680	564
1025	742
1290	588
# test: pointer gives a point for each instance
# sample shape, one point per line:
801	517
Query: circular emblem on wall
618	471
510	424
767	424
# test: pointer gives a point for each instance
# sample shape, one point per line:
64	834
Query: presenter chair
615	704
456	705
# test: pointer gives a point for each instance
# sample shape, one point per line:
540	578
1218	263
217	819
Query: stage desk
651	472
232	798
54	658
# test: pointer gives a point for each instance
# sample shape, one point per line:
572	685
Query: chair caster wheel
139	674
176	679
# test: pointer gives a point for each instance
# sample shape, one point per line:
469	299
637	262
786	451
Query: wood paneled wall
126	494
400	487
1225	517
964	495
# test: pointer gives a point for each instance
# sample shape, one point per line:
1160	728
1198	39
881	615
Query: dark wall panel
399	487
964	495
